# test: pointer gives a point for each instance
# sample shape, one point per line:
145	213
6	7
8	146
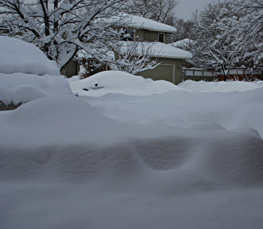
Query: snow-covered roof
138	22
145	23
158	49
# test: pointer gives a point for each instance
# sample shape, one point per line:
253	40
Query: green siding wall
161	72
150	36
71	69
169	70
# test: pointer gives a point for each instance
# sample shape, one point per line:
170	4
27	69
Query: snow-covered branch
133	57
61	27
217	29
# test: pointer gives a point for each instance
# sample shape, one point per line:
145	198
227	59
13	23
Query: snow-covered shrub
27	74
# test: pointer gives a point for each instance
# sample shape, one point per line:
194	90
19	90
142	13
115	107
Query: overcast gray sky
186	7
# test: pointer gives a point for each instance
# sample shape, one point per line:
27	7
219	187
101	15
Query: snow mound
20	88
19	56
154	165
232	110
75	141
186	168
222	86
120	82
57	115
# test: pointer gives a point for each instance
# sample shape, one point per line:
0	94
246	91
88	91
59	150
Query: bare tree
133	57
216	29
184	30
157	10
62	27
251	31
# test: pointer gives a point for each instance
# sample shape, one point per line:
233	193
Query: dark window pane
161	37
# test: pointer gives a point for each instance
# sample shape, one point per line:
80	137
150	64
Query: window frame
163	37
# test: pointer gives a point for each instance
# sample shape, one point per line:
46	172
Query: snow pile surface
179	159
20	88
222	86
26	74
19	56
119	82
124	83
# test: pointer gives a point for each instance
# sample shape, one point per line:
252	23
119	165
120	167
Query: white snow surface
221	86
183	158
119	82
26	73
21	88
19	56
156	49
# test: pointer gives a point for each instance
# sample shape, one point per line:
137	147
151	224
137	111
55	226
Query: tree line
224	34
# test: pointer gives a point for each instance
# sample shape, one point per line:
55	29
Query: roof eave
152	29
173	57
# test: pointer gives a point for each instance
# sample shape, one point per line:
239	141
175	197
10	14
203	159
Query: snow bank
184	109
222	86
119	82
19	56
68	165
45	131
20	88
178	159
124	83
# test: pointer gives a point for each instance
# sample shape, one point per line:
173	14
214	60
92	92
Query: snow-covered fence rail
233	73
199	74
243	74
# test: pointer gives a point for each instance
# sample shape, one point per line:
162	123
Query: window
161	37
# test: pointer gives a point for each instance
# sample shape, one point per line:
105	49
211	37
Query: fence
199	74
210	75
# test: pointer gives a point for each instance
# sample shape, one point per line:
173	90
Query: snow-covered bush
26	74
19	56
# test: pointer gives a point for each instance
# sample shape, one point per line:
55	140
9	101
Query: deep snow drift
126	156
129	153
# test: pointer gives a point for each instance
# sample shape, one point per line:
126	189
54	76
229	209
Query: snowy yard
132	154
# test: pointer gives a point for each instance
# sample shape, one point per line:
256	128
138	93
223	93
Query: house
154	34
